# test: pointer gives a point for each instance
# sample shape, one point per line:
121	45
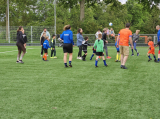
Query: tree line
90	15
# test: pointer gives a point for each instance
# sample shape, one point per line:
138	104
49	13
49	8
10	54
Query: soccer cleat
96	66
65	66
106	65
119	60
42	58
77	57
116	60
17	61
132	54
99	57
121	66
137	54
20	61
124	67
156	61
90	58
80	58
41	55
51	57
84	59
70	65
149	59
108	57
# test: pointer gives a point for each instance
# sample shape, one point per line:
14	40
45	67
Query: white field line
14	50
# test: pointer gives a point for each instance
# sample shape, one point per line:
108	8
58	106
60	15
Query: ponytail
20	27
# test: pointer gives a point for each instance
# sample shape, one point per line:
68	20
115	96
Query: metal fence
33	34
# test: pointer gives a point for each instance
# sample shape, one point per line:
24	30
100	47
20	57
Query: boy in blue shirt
118	56
45	47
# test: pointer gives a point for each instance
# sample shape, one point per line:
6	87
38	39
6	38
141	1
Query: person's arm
131	42
71	38
118	41
78	38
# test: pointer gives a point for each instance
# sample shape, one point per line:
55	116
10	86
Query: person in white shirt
98	32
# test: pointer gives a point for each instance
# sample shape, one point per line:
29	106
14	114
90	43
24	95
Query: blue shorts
117	49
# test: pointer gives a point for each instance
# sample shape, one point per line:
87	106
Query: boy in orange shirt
151	49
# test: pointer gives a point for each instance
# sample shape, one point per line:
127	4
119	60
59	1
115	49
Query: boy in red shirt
151	49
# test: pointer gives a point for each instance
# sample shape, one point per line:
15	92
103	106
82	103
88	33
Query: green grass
43	90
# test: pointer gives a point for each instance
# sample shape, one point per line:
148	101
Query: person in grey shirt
47	33
135	38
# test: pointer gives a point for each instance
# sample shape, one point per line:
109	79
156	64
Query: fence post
31	35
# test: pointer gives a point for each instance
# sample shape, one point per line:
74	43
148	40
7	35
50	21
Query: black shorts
45	50
67	48
99	53
21	47
85	51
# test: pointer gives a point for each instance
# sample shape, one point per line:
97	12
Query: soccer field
47	90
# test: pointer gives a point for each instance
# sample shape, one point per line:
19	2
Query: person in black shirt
84	45
20	44
42	41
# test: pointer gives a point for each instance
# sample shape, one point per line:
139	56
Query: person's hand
106	41
117	46
73	45
135	41
132	47
41	45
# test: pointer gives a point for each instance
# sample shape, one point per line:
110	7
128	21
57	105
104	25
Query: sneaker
116	60
51	57
106	65
20	61
17	61
83	59
132	54
70	65
96	66
80	58
77	57
149	59
41	55
108	57
55	57
90	58
65	66
137	54
156	61
124	67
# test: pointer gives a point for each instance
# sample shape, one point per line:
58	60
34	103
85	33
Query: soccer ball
110	24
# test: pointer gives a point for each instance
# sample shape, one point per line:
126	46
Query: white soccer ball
110	24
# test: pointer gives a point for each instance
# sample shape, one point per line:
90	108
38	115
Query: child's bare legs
97	58
65	58
103	58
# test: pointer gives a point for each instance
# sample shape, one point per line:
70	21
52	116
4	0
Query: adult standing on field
20	44
158	40
104	38
125	35
67	37
79	42
47	33
135	38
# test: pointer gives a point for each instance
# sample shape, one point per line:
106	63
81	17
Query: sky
122	1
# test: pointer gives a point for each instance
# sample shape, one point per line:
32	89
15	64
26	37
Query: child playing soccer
118	56
53	47
45	47
94	52
84	45
98	45
151	49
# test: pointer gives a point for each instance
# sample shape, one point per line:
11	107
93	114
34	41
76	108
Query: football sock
45	56
158	59
154	57
65	64
117	57
84	56
70	62
92	56
149	57
132	51
96	62
52	53
104	62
